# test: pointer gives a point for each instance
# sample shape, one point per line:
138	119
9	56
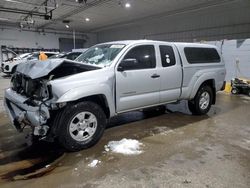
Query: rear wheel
202	102
81	126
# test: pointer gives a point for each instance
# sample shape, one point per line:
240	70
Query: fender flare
88	91
203	78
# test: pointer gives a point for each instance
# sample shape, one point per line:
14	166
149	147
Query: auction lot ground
179	150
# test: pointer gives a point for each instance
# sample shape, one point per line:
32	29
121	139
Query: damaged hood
36	69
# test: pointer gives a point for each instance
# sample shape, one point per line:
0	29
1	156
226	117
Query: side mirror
120	68
127	64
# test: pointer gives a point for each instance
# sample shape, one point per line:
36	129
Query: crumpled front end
26	103
30	100
23	113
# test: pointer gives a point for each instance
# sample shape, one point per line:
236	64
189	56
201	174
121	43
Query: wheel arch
208	82
102	94
99	99
13	70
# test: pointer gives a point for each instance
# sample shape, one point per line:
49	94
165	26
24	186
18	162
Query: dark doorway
67	44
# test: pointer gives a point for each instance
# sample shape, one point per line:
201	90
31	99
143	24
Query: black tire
235	91
248	93
194	105
70	111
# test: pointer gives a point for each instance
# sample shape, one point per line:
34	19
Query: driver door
137	79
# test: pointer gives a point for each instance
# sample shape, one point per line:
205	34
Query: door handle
155	76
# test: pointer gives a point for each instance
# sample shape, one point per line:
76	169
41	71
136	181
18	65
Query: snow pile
93	163
125	146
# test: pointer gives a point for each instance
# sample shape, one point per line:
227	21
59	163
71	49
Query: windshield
101	55
72	55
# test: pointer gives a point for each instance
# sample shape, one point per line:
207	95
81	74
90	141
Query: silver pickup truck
72	100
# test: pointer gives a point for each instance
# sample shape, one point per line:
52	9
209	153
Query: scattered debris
93	163
125	146
78	155
186	181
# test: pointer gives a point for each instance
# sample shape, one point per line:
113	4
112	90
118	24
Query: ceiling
101	13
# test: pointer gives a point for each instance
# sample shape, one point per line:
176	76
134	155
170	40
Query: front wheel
202	102
81	126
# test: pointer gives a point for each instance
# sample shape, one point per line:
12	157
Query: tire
75	129
248	93
196	106
235	91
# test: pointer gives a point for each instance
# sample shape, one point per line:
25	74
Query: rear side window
145	56
201	55
167	56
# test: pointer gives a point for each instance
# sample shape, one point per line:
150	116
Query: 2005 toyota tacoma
71	101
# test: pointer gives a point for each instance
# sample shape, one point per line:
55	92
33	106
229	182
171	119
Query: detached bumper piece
13	116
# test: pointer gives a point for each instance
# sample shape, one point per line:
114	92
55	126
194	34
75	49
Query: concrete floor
180	150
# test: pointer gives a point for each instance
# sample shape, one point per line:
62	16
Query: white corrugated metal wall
228	23
233	50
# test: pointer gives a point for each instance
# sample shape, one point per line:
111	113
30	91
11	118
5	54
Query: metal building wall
234	51
228	21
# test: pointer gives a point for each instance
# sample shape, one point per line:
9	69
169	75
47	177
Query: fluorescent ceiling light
12	1
67	26
127	5
87	19
30	4
8	20
4	19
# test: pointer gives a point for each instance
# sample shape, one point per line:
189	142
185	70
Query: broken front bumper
22	113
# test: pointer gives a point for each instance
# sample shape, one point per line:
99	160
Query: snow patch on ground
247	98
94	163
125	146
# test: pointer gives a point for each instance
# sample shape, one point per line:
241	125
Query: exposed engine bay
32	82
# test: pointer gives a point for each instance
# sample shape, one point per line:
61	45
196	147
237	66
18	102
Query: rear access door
170	73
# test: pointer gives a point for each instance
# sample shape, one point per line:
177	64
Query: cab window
143	56
167	56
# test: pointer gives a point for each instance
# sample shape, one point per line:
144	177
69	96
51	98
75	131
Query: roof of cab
181	44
